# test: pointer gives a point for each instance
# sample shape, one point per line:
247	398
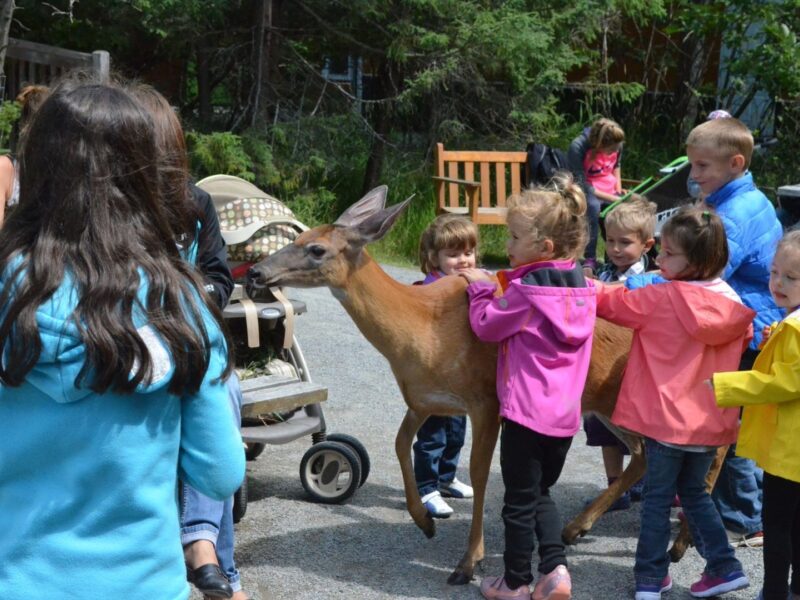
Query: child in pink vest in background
595	160
685	330
544	322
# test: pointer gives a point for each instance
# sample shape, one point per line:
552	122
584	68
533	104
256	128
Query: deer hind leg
485	426
402	445
581	524
684	539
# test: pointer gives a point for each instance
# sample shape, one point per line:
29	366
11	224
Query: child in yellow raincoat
770	432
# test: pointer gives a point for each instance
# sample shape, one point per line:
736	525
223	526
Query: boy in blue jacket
720	152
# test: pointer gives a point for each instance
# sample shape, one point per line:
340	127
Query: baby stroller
281	402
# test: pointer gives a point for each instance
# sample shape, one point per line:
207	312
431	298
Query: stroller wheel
253	450
358	447
330	472
240	502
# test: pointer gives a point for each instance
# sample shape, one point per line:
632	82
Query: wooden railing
32	63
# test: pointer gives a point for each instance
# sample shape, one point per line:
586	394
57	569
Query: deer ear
378	224
374	201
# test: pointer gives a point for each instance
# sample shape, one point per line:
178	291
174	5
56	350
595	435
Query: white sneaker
456	489
437	507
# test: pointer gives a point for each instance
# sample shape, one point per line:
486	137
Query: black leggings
781	516
531	463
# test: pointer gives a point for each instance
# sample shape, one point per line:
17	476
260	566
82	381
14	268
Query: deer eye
316	251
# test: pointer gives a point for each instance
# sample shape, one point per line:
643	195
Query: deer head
328	254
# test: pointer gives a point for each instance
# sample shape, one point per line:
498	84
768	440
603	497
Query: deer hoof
428	527
676	552
571	534
459	577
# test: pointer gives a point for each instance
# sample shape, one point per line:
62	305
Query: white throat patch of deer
440	366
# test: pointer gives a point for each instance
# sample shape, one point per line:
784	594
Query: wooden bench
476	183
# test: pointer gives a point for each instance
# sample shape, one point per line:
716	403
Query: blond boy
720	153
630	233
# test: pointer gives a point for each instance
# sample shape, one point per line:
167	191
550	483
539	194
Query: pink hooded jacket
683	334
545	335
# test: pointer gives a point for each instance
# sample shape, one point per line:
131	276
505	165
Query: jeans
531	463
203	518
436	451
738	494
671	470
781	536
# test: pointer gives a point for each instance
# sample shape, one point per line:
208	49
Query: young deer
440	366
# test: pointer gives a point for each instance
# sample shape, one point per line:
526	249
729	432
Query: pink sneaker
556	585
495	588
714	586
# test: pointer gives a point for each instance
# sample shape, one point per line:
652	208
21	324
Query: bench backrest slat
494	172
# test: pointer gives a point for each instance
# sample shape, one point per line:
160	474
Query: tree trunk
381	125
204	84
696	52
6	16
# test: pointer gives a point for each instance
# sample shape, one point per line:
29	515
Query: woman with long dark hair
113	364
206	524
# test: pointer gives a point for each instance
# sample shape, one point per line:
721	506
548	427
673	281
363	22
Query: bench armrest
466	182
472	192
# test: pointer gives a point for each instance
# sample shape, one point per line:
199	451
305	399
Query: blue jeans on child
738	494
739	491
436	451
203	518
671	470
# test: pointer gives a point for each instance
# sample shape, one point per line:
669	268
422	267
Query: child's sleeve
781	384
619	305
211	456
495	319
736	253
575	155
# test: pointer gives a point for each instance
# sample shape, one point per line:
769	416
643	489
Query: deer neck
387	312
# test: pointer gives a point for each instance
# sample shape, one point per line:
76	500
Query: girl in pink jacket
543	321
685	330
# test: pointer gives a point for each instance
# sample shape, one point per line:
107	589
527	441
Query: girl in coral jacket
684	331
543	322
770	430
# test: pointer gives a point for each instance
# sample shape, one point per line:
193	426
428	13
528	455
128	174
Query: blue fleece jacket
88	481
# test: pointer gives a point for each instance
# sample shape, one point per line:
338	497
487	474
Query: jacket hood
564	301
63	351
707	316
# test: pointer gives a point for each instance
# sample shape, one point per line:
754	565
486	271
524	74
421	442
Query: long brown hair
173	164
90	210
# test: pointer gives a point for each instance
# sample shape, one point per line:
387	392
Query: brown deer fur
440	366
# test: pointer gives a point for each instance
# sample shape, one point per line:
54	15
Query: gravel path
368	548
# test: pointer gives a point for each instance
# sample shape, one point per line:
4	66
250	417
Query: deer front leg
581	524
402	446
485	426
684	539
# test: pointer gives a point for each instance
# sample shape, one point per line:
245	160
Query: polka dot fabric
241	212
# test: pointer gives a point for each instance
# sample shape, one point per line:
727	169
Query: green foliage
9	113
219	152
